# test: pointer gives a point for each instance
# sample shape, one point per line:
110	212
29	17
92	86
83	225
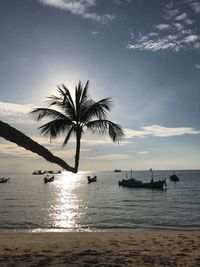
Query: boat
53	172
4	180
48	179
133	183
91	179
174	178
139	184
38	172
117	170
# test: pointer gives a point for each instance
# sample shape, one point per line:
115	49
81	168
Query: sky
143	54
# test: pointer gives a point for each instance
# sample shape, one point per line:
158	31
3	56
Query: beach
135	248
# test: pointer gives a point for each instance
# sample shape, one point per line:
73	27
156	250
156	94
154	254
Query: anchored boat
91	179
139	184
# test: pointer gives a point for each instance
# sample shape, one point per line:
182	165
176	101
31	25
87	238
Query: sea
70	204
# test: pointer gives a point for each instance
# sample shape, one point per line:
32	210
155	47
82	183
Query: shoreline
110	248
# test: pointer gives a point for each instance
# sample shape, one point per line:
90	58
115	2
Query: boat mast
151	173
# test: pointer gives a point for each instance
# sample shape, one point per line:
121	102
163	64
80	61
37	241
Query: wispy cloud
143	152
160	131
111	157
11	150
79	7
175	32
16	113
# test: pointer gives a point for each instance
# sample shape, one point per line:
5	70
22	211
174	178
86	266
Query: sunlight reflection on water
66	209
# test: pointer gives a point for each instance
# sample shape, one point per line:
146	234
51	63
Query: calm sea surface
71	204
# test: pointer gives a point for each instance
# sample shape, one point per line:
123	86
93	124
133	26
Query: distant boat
4	180
174	178
91	179
117	170
48	179
53	172
38	172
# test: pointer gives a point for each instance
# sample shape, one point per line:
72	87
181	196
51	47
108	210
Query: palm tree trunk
78	146
13	135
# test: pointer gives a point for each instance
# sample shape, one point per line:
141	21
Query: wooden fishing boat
139	184
91	179
48	179
38	172
4	180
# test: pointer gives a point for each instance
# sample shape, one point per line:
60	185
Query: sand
142	248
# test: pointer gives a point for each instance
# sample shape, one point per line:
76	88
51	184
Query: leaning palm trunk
13	135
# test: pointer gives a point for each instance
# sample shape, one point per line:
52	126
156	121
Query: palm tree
76	115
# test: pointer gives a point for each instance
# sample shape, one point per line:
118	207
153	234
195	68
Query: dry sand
143	248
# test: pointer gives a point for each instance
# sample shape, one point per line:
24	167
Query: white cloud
160	131
163	26
16	113
178	26
99	18
75	7
9	108
79	7
157	130
191	38
154	45
170	12
182	16
174	33
196	7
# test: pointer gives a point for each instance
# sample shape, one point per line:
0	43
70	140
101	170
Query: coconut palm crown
71	117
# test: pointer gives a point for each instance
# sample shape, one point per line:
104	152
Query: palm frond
63	102
105	126
39	113
68	95
78	93
55	127
96	109
84	95
71	130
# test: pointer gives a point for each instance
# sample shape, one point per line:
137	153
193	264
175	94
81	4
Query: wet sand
142	248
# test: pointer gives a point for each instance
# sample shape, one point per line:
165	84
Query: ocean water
71	204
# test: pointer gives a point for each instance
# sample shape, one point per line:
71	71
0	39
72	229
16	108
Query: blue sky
144	54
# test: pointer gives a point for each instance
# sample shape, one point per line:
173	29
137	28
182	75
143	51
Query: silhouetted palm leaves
76	115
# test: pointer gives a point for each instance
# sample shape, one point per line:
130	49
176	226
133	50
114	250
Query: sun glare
66	209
